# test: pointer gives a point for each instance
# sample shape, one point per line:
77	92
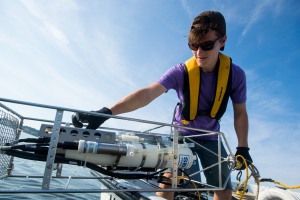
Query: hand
93	121
243	151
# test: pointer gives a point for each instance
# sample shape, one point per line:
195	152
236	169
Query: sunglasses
205	46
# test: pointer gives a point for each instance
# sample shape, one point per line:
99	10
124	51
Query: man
217	79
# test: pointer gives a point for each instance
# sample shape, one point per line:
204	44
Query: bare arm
241	124
138	99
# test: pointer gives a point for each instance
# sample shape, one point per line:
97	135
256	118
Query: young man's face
207	50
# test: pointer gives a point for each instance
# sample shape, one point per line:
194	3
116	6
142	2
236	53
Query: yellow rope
287	186
183	177
256	177
245	183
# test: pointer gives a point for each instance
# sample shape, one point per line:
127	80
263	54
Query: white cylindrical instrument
132	154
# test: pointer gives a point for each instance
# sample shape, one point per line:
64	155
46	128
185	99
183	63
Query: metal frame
57	122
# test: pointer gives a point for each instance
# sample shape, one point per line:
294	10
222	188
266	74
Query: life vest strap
192	89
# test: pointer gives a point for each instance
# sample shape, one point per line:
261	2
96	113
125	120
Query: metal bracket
52	150
59	167
71	134
175	159
219	161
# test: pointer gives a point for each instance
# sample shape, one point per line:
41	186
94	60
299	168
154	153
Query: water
35	168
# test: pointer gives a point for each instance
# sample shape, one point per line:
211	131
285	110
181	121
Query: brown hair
203	22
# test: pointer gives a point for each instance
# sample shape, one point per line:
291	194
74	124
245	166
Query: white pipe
138	153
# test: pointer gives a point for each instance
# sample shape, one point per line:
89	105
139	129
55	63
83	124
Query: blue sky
89	54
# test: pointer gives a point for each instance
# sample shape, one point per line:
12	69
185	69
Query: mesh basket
8	133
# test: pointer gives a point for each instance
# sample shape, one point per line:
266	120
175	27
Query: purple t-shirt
173	79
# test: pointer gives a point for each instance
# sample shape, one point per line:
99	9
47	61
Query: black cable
36	147
36	140
25	155
68	145
266	180
121	175
29	146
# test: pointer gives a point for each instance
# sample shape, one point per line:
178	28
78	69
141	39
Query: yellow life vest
192	89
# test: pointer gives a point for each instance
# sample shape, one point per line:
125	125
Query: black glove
93	121
243	151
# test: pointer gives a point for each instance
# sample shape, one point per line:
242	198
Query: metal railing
11	123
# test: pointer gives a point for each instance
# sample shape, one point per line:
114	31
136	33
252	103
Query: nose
199	51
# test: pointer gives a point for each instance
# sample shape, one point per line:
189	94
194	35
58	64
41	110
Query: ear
223	41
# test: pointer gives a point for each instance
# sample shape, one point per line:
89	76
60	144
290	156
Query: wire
287	186
245	182
256	176
37	140
195	186
279	183
186	176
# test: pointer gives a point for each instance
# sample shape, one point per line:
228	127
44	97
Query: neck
211	68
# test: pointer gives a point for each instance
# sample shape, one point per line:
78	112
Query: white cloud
34	9
65	5
262	9
56	33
